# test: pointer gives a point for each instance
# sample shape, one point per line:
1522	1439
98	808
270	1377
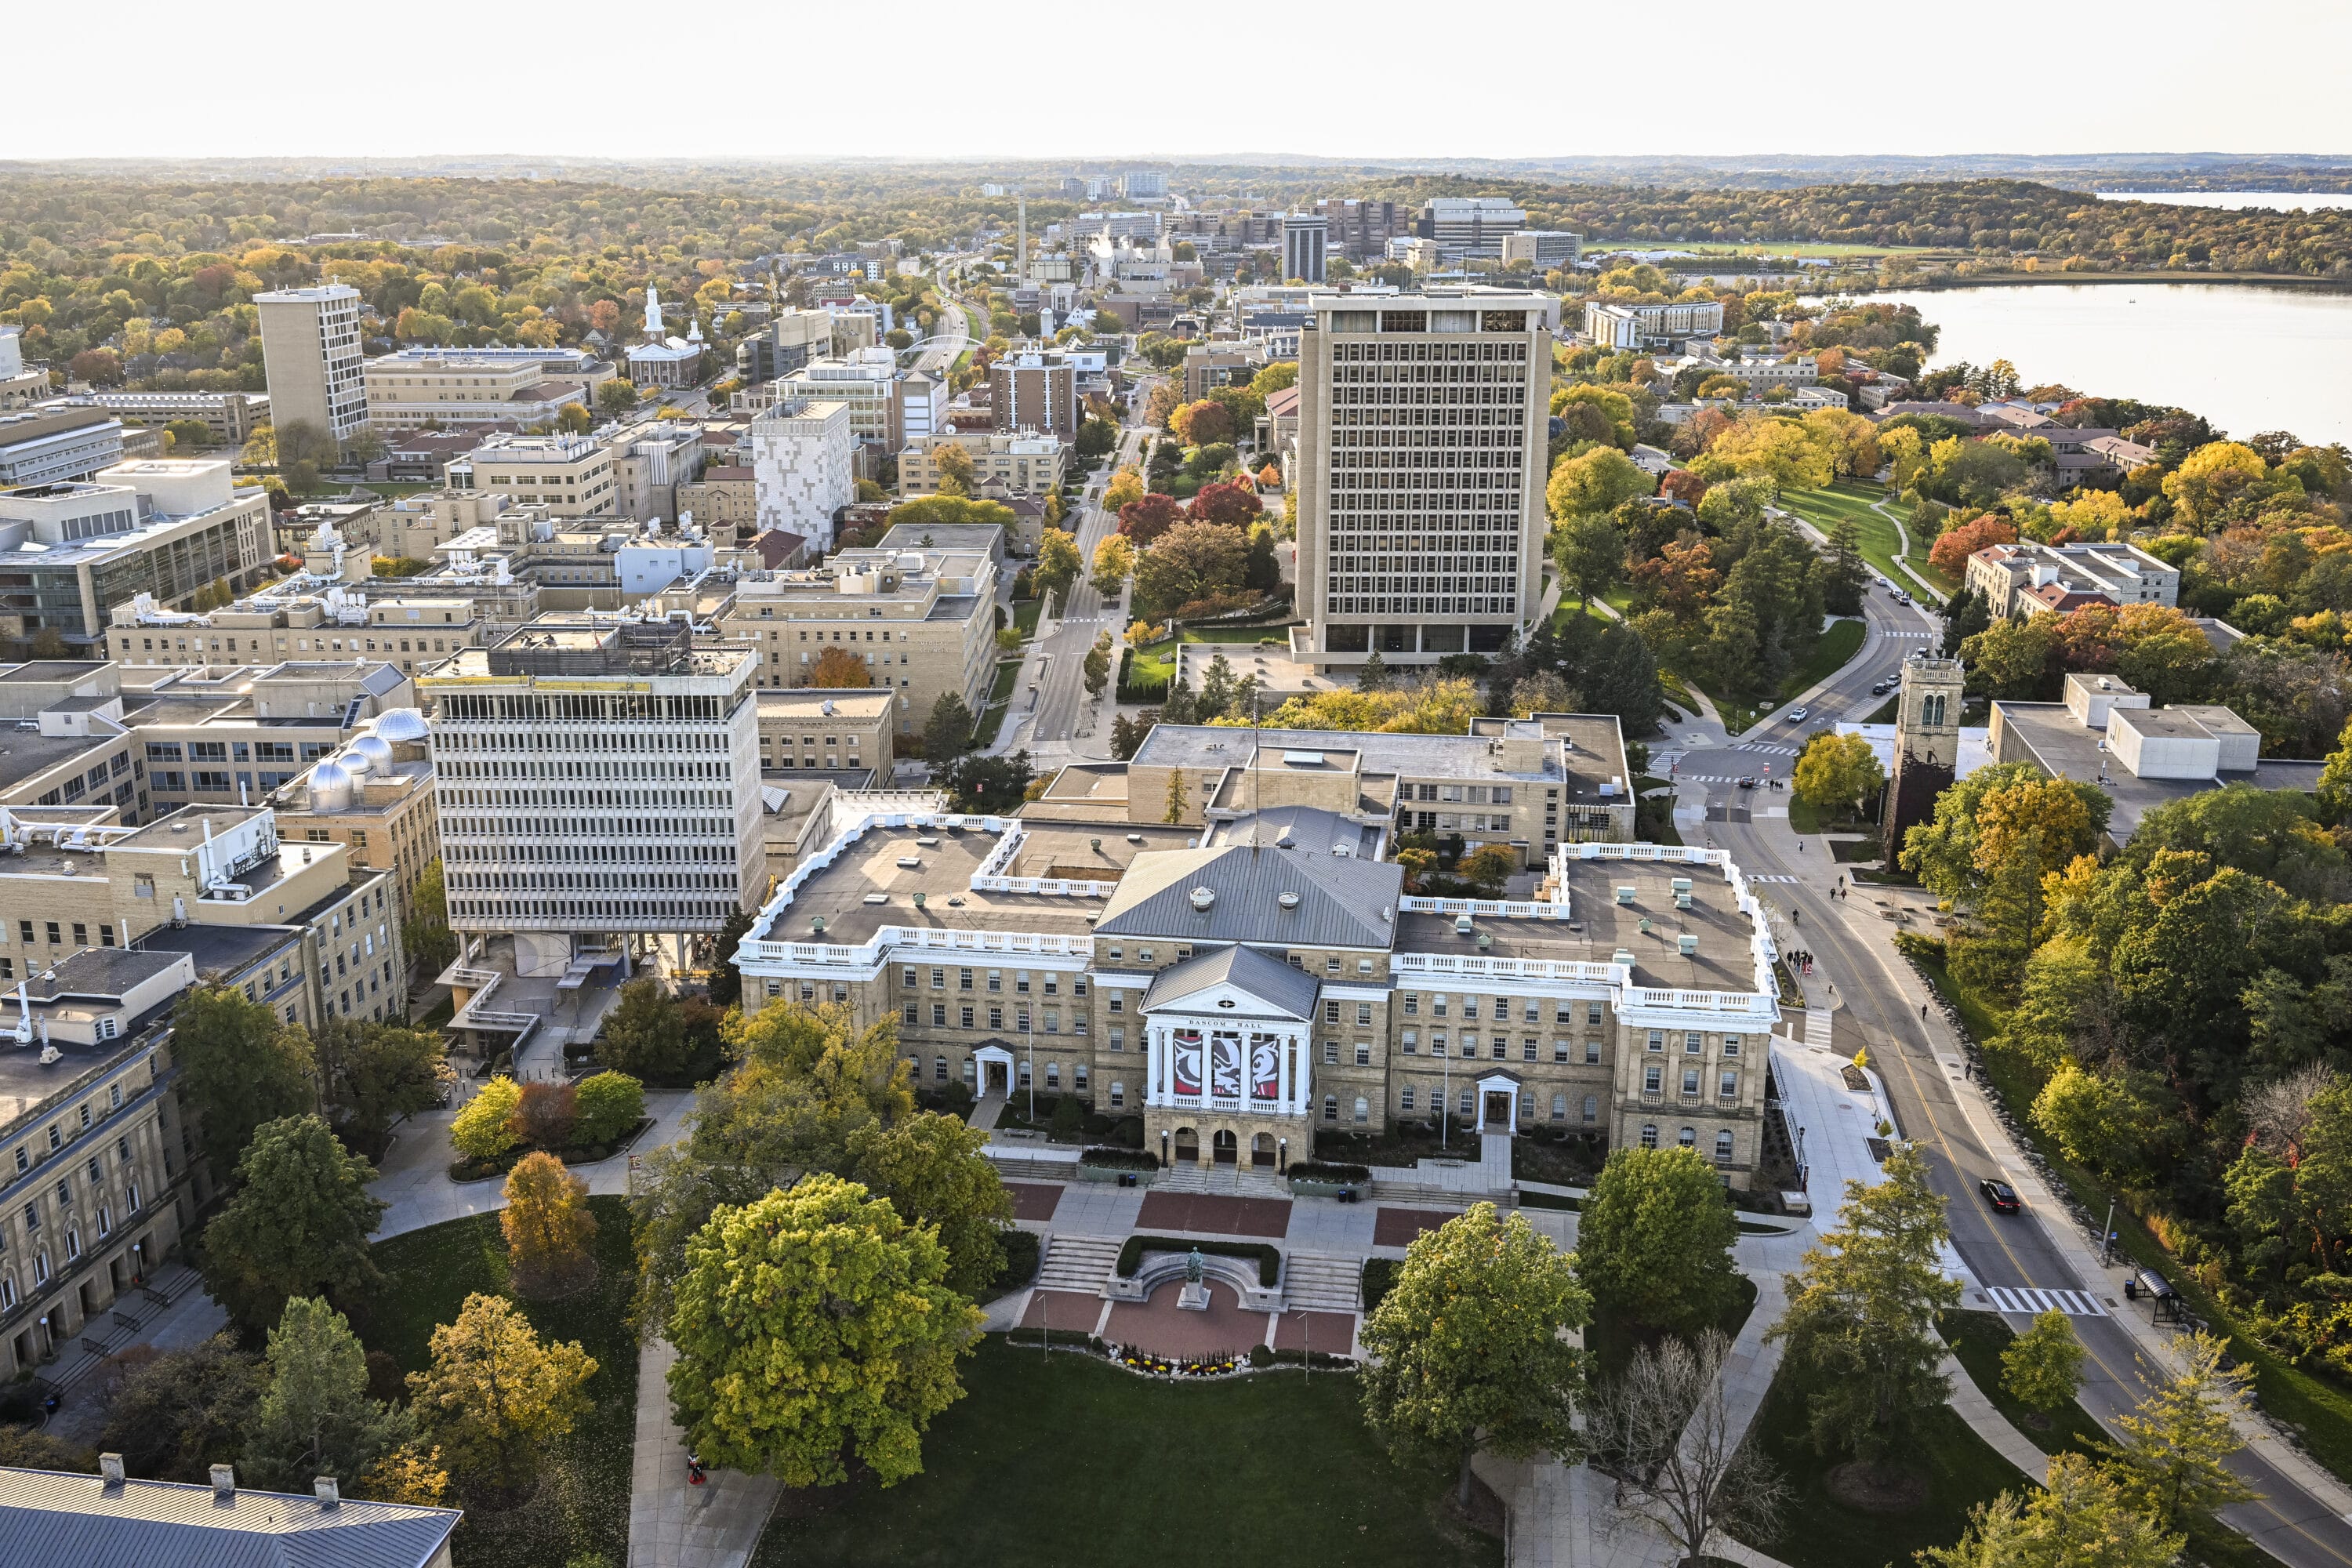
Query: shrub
1020	1258
1269	1258
609	1104
1379	1276
1069	1115
545	1114
1119	1158
481	1129
1329	1171
1260	1355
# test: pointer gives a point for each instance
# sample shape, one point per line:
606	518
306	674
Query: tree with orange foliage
1679	578
1200	424
547	1227
837	667
1950	554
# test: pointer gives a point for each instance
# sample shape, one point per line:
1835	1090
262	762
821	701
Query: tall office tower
597	778
310	352
1304	237
1423	422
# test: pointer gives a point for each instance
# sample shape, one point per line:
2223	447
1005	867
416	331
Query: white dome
331	786
402	726
372	750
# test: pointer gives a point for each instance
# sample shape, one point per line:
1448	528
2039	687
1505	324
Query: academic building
1253	972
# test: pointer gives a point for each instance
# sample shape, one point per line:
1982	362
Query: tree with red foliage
99	367
1950	554
1682	484
1145	520
1235	504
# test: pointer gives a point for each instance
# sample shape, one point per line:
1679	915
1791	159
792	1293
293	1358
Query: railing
1554	969
1502	908
1047	886
936	939
774	910
1742	1002
1653	1096
1728	1101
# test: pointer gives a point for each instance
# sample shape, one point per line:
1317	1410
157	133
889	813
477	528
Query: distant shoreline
2046	279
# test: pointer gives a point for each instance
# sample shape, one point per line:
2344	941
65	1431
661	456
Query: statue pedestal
1193	1296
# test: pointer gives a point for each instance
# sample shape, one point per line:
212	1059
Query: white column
1282	1072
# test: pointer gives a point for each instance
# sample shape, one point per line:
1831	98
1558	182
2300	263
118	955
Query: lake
2246	357
2238	201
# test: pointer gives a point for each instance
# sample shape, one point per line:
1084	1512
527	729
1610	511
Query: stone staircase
1320	1282
1079	1263
1233	1181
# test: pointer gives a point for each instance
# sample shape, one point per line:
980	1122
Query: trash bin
2131	1288
1126	1178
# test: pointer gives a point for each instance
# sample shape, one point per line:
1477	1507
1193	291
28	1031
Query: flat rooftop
2061	746
866	888
222	950
1599	927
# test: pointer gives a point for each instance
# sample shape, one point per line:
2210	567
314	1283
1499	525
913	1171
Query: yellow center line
1940	1141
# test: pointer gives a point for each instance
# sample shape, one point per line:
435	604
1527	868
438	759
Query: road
1065	724
1701	752
956	329
1882	1003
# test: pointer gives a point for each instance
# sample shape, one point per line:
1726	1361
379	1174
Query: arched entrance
1262	1149
1224	1148
1188	1146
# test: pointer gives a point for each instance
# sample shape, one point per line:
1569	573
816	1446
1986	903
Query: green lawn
582	1506
1838	645
999	700
1978	1340
1850	499
1062	1460
1817	1530
1238	634
2319	1408
1024	617
1154	664
1613	1343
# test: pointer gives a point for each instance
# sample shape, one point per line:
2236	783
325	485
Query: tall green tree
644	1034
1465	1349
241	1066
1654	1243
815	1328
948	731
2170	1460
374	1074
2079	1519
931	1170
1860	1324
314	1416
425	935
297	1224
2043	1366
172	1417
726	983
1591	555
1845	576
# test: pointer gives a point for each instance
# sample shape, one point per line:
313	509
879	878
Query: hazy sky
922	80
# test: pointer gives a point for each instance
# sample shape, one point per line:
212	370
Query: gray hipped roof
1283	989
50	1519
1342	901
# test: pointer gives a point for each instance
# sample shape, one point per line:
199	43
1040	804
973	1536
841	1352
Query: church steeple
653	314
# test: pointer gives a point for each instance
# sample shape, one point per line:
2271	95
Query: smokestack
1021	228
224	1483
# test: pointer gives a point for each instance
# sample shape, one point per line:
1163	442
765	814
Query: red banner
1225	1066
1187	1060
1266	1067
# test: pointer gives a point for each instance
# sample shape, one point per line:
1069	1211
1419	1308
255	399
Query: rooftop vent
1461	925
910	862
1687	944
1485	938
1135	838
920	898
1095	845
224	1483
1287	901
1623	955
1645	925
1625	893
1203	898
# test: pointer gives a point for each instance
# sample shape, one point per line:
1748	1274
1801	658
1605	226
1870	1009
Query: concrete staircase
1321	1282
1079	1263
1233	1181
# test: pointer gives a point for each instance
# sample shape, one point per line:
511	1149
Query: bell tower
1926	744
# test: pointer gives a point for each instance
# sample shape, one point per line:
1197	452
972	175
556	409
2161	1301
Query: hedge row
1329	1171
1119	1158
1269	1258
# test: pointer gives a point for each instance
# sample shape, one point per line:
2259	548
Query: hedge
1329	1171
1119	1158
1380	1278
1269	1258
1020	1258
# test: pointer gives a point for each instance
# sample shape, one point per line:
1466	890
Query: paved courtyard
1210	1214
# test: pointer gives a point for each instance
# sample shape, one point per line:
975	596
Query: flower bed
465	1168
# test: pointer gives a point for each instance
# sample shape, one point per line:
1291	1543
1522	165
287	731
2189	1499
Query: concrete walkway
1991	1424
671	1524
414	1178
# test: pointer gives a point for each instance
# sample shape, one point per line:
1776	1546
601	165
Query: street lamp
1163	1149
1282	1155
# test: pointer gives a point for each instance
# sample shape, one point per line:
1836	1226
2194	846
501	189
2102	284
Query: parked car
1999	1194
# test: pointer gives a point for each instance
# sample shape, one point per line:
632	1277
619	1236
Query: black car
1999	1194
1748	783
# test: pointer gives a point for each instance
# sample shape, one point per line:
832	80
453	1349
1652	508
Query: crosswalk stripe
2030	1299
1772	878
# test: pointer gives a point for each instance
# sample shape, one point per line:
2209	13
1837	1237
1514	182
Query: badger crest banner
1187	1060
1266	1067
1225	1066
